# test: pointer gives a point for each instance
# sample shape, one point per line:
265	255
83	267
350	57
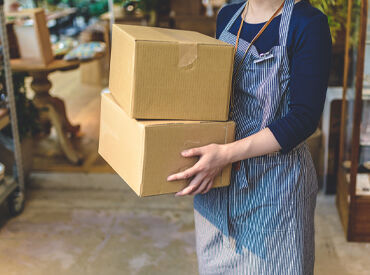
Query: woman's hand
212	159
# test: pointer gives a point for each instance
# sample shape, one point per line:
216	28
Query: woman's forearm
261	143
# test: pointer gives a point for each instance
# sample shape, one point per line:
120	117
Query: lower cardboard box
145	152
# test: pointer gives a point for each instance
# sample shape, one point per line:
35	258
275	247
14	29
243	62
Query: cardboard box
32	35
144	153
170	74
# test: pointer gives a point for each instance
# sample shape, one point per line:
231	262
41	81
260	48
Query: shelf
362	184
4	118
7	186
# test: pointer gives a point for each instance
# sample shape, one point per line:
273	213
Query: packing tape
188	48
188	53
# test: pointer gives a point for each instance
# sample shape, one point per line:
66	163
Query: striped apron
263	223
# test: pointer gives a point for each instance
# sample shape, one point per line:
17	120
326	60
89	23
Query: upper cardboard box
170	74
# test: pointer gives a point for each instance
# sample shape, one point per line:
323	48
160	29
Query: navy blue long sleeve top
309	49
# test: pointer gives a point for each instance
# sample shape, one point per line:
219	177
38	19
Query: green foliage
27	113
336	11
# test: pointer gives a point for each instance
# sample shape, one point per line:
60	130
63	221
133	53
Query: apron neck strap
285	21
235	16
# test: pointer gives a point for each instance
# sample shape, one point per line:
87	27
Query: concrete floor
93	224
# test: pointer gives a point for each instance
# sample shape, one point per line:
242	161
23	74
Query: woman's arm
310	67
213	158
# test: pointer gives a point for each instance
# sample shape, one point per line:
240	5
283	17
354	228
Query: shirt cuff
282	137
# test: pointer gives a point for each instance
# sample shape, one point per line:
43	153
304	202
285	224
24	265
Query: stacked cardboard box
169	91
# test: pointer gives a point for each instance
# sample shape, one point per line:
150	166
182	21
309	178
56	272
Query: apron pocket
268	201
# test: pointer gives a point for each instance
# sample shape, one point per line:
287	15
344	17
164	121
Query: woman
263	223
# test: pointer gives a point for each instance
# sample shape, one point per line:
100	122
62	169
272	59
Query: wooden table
53	111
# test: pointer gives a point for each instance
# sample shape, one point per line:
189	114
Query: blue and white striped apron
263	223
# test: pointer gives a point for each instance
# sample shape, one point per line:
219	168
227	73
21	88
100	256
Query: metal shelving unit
12	188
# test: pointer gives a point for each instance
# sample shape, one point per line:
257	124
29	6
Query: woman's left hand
212	159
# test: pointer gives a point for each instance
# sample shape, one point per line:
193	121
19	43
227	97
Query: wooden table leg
55	112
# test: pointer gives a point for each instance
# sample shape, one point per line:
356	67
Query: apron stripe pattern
263	223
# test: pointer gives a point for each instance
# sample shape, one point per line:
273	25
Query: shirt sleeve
310	66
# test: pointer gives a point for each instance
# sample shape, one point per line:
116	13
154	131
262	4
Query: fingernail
184	153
